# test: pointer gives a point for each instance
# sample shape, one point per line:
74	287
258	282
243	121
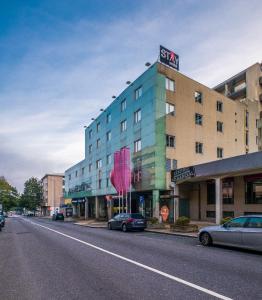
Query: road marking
174	278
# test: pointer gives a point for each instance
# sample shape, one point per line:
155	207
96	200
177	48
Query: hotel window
90	149
170	84
137	146
199	147
123	105
227	192
219	126
108	118
99	164
219	106
198	119
98	126
123	126
137	116
198	97
83	171
76	173
69	176
138	92
220	152
170	141
98	143
90	168
90	134
254	192
108	159
170	109
108	136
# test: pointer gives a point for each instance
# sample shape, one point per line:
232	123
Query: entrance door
184	207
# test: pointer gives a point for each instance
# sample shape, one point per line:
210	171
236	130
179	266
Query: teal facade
148	165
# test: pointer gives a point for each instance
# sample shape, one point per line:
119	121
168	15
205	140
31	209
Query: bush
224	220
153	220
182	221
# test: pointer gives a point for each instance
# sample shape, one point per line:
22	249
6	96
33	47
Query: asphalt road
41	259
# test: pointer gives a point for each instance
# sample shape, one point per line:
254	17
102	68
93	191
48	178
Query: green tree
32	195
9	196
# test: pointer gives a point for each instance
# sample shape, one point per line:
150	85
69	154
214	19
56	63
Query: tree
32	195
9	196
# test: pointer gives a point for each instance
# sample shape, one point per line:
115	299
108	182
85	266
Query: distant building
53	188
246	87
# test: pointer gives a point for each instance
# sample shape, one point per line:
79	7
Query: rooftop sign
169	58
182	174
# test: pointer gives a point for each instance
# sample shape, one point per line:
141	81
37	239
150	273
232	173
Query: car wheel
109	226
205	239
124	228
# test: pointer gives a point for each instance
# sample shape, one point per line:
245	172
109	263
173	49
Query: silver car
244	232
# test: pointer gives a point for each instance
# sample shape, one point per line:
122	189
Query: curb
171	233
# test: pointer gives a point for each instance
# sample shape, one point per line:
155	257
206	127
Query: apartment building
168	121
246	87
53	189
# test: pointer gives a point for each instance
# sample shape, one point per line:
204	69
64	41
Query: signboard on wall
169	58
182	174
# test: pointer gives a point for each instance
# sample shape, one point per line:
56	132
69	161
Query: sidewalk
97	224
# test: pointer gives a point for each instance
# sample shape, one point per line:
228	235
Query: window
138	93
246	140
137	146
255	222
256	140
90	149
170	141
69	176
98	126
98	143
137	116
123	105
199	147
198	97
83	171
76	173
108	159
123	126
170	84
210	214
90	168
220	152
99	183
99	164
108	118
198	119
228	214
254	192
108	136
90	134
107	182
211	192
219	106
219	126
170	109
227	192
238	222
247	115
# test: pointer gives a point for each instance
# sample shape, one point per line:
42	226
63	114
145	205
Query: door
231	232
252	234
184	207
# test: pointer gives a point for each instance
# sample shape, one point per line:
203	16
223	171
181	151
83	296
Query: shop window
228	192
210	214
198	97
254	192
198	119
211	192
228	214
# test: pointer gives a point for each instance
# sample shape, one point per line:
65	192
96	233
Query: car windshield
137	216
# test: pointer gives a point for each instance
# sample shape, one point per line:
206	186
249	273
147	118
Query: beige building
246	87
53	188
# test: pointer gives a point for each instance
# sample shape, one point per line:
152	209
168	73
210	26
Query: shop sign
78	201
169	58
182	174
164	212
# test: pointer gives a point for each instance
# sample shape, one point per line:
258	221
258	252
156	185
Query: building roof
54	174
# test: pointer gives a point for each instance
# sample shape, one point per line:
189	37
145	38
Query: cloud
61	75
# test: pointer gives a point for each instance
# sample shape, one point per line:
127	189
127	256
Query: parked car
2	221
244	232
127	222
58	217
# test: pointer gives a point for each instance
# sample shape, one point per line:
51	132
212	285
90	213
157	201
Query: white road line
177	279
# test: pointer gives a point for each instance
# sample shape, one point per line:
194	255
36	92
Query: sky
61	62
